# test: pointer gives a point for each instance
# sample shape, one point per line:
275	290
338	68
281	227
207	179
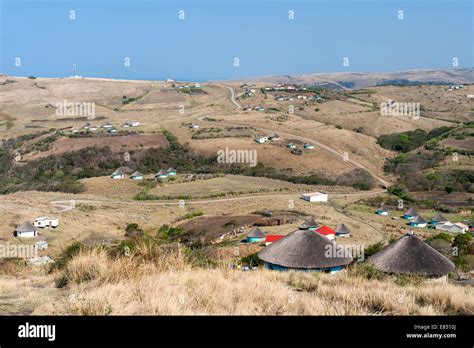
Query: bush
67	255
373	249
134	231
192	214
168	233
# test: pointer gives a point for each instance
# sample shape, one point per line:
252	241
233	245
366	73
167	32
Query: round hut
410	255
410	214
342	230
438	219
418	221
309	224
305	250
255	235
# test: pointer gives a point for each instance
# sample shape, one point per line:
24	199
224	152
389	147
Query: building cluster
107	127
160	175
285	87
438	222
313	248
452	87
263	139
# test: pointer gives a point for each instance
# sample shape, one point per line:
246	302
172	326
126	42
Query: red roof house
326	231
270	238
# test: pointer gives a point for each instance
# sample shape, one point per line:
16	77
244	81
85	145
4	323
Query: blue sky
203	45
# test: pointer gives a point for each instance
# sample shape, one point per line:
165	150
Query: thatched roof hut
26	227
438	218
418	220
305	250
256	233
410	255
118	173
411	212
342	230
309	223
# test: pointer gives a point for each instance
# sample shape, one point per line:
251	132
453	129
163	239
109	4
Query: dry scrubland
155	283
170	285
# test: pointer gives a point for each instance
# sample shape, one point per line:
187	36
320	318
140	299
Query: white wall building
315	197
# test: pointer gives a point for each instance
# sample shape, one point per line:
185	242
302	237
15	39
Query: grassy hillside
171	283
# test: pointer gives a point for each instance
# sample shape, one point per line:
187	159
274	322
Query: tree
448	189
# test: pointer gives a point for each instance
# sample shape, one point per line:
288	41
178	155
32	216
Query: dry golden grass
168	285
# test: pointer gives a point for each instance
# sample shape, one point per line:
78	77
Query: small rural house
315	197
261	140
44	221
291	146
458	227
171	171
438	219
304	250
107	125
309	224
41	245
112	130
308	146
382	211
270	238
326	231
39	260
274	137
410	255
410	214
118	174
137	176
342	230
26	230
418	221
161	175
256	235
194	126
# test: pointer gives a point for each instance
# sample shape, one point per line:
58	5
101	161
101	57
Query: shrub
373	249
67	255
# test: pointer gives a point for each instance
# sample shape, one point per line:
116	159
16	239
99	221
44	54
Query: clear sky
203	45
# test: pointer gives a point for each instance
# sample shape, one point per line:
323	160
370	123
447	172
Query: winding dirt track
304	139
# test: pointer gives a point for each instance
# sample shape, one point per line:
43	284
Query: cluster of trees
413	173
61	172
456	249
408	141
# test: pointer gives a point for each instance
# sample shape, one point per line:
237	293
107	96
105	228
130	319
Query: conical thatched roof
137	173
409	254
418	220
309	223
161	172
171	169
305	249
342	229
411	212
118	172
26	227
439	218
256	233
